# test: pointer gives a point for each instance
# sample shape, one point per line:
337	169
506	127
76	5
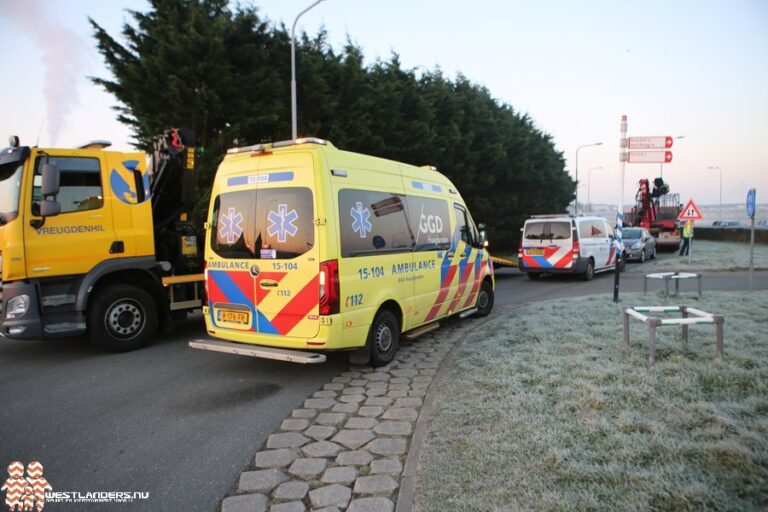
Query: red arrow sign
649	157
690	212
650	142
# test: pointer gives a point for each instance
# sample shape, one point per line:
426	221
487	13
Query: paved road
179	423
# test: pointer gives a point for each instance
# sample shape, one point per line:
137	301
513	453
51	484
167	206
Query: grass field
710	256
544	409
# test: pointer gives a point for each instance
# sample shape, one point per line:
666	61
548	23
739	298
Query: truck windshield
10	185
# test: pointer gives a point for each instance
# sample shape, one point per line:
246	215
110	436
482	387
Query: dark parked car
638	244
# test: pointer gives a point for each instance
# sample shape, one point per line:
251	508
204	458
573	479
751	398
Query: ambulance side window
373	223
463	224
80	184
430	223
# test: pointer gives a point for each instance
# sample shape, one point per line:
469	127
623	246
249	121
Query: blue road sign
751	203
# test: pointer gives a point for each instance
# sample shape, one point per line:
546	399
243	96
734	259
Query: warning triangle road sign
690	212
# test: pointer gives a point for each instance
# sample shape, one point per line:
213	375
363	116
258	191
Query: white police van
563	244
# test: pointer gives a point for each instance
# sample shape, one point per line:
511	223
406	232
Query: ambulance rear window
274	223
547	230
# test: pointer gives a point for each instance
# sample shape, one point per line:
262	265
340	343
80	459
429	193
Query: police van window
430	223
80	185
274	223
546	230
592	229
373	222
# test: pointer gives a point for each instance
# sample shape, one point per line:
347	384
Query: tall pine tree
225	73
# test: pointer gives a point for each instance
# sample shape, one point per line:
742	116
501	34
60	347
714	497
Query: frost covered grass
707	255
544	409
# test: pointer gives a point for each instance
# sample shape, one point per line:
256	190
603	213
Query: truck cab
77	246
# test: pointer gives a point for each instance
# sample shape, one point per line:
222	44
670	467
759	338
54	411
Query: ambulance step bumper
469	312
242	349
410	335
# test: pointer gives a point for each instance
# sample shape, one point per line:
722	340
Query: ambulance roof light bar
279	144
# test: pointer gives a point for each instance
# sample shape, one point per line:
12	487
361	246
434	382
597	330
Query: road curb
354	443
408	479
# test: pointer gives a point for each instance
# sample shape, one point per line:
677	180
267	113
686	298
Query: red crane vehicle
656	210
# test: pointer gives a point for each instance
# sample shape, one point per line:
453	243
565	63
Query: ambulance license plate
236	317
535	252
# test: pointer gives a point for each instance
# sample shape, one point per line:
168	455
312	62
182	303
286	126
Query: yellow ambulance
312	249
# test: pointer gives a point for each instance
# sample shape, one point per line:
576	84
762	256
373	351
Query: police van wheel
122	318
533	275
589	273
484	300
384	338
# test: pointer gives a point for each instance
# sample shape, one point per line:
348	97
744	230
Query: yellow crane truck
97	241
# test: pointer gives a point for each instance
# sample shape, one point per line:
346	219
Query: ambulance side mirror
482	238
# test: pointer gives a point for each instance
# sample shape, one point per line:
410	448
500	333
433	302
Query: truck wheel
123	318
384	338
485	300
589	272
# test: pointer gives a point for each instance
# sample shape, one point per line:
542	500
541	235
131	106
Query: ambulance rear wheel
484	300
123	318
384	338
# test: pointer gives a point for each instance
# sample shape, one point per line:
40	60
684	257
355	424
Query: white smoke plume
64	58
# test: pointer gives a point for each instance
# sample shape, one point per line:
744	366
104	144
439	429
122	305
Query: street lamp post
589	186
576	198
293	69
661	166
715	168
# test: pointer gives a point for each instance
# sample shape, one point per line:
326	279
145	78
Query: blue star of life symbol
282	223
361	224
230	226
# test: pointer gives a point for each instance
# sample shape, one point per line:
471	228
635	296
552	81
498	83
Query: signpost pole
690	245
751	251
751	204
620	210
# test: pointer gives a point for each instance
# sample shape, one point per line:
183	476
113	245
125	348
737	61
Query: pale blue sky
692	68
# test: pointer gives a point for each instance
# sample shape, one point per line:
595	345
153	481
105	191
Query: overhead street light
715	168
589	185
293	69
576	198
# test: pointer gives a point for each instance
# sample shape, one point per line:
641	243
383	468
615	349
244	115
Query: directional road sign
650	142
649	157
751	203
690	212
